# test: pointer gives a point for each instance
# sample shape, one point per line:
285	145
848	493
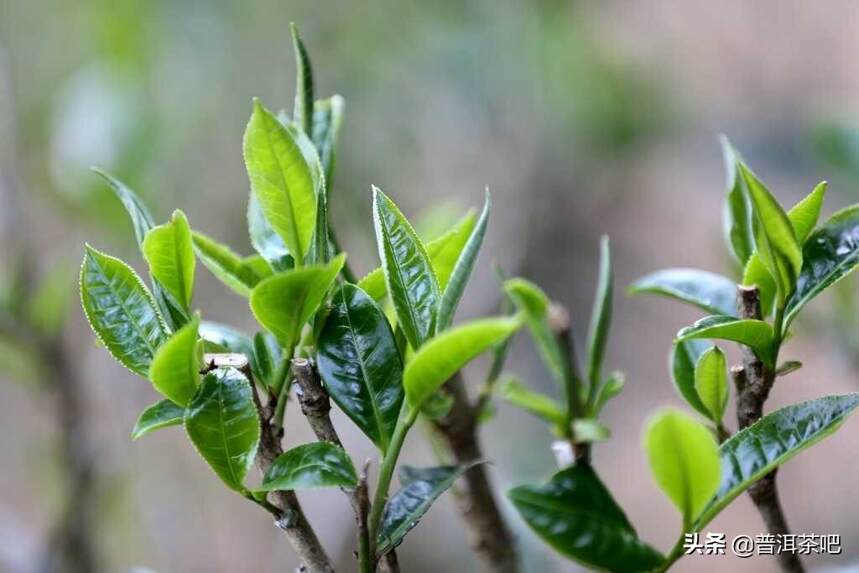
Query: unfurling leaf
162	414
684	357
327	117
265	240
711	382
169	252
222	423
303	110
737	215
238	273
443	356
600	316
360	364
534	402
175	370
684	460
320	464
576	515
709	291
409	275
120	310
420	487
283	303
756	334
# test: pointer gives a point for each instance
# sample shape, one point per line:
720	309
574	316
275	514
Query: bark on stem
754	382
488	534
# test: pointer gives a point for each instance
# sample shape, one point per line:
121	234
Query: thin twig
754	382
559	322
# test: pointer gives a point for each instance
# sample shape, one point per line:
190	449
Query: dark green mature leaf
576	515
327	117
443	356
712	292
175	370
756	334
775	239
829	255
360	364
737	215
536	403
803	216
320	464
684	357
420	487
684	460
285	302
711	382
303	110
600	315
282	179
159	415
169	251
462	270
223	425
230	268
755	451
409	275
265	240
120	310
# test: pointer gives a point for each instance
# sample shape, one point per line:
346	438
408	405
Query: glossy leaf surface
265	240
755	334
169	251
576	515
360	364
320	464
711	382
684	357
175	370
120	310
709	291
162	414
222	423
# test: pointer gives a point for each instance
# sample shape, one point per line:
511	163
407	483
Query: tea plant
324	335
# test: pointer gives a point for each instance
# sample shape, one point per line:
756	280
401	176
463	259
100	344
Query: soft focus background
583	118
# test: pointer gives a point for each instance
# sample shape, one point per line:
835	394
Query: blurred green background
583	118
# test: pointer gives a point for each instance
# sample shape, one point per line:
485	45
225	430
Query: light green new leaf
775	239
711	382
737	214
610	388
320	464
684	357
409	275
120	310
223	425
755	451
141	220
684	460
265	240
709	291
803	216
283	303
462	270
169	250
600	316
327	117
443	356
230	268
162	414
303	110
536	403
589	430
175	370
282	180
756	334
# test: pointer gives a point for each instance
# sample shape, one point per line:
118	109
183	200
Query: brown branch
754	382
488	534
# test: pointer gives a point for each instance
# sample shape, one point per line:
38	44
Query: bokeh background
583	118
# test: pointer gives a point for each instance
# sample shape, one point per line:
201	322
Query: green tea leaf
609	389
755	451
737	215
420	487
169	251
283	303
589	430
265	240
756	334
223	425
462	270
711	382
141	221
443	356
409	275
576	515
120	310
684	460
774	236
327	117
360	364
829	255
159	415
684	357
600	315
536	403
303	110
320	464
713	293
227	266
282	179
175	370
